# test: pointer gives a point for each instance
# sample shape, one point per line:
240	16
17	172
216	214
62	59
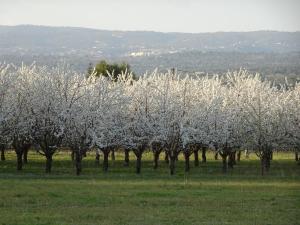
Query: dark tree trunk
263	165
78	157
187	161
97	159
2	154
138	162
48	163
156	158
72	156
231	160
224	162
269	157
265	162
172	164
113	157
196	156
238	156
296	156
19	160
25	154
216	156
204	154
105	160
167	157
126	160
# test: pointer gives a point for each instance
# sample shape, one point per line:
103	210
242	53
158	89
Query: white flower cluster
53	107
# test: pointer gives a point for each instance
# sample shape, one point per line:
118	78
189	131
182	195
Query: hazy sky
157	15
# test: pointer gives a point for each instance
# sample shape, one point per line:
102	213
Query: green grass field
204	196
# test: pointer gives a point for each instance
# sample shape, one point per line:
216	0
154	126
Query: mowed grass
203	196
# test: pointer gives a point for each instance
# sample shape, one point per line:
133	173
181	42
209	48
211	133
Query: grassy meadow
203	196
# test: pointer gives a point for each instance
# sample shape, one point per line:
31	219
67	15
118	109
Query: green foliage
104	68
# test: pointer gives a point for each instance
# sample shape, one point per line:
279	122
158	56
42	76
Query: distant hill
28	39
273	54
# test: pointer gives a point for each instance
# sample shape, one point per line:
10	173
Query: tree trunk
156	158
113	157
126	161
238	156
19	160
216	156
105	160
138	162
167	157
265	162
204	154
72	156
172	164
296	156
78	165
48	163
196	156
2	154
263	165
269	157
25	153
187	161
224	161
97	159
231	160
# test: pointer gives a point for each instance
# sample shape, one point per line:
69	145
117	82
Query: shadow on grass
283	167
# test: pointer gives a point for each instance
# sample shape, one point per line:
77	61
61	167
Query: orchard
53	109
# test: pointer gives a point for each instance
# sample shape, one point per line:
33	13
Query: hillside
67	40
270	53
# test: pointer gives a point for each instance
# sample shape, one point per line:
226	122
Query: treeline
50	108
271	66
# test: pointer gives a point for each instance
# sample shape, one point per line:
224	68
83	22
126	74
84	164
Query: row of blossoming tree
49	108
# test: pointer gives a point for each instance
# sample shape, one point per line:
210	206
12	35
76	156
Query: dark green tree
104	69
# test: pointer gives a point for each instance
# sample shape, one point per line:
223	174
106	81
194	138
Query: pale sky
156	15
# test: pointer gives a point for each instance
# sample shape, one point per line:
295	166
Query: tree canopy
103	68
53	107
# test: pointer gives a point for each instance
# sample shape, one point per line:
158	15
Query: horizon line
153	31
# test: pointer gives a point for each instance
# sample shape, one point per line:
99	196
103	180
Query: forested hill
272	54
26	39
